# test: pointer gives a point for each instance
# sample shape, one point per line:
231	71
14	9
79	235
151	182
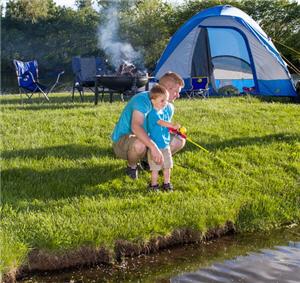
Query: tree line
42	30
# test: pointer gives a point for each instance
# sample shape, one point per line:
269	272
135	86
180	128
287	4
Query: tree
30	10
53	41
80	4
146	26
281	22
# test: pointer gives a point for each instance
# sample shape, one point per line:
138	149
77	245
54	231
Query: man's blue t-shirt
160	135
140	102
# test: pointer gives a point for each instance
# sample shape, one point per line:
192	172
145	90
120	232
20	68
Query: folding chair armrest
56	82
59	75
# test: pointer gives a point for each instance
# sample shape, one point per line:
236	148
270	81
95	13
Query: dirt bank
40	260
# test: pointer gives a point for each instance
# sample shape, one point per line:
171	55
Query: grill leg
122	96
97	92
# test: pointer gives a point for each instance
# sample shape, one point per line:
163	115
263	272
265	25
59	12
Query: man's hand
138	130
157	155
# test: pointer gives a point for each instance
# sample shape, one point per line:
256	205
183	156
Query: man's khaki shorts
122	146
168	160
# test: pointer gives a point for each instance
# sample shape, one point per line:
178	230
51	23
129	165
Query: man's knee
139	148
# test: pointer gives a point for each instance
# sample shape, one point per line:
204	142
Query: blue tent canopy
229	48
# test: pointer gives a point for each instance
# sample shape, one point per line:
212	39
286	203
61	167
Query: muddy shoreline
42	261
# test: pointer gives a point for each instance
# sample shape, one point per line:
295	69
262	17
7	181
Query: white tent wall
181	58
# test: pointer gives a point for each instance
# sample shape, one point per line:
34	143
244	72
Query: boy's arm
168	124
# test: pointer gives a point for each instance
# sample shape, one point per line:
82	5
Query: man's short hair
173	77
157	91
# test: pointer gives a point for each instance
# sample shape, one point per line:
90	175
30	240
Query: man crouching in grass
130	136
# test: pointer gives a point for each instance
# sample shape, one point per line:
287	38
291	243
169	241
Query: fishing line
182	132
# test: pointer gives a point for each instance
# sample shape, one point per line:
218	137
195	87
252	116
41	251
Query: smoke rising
116	50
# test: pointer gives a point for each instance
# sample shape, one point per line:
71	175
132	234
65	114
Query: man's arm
138	129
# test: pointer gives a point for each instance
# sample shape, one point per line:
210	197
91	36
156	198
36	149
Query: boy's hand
176	126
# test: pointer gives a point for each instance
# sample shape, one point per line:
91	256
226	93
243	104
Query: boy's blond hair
171	77
157	91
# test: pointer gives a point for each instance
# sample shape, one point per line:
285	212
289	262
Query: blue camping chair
199	87
28	79
196	87
85	70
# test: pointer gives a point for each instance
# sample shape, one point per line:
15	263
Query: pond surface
260	257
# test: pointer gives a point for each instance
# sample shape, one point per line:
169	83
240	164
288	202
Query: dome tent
228	47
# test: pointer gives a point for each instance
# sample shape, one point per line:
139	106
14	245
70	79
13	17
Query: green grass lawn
62	187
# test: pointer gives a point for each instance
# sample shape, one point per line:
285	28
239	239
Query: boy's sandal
153	188
167	187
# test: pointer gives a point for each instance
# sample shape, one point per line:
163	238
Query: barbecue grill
122	84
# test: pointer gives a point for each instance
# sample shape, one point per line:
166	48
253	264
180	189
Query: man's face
174	90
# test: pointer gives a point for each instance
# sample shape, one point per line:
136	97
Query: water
281	264
267	257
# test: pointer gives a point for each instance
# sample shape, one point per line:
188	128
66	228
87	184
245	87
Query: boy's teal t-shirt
160	135
140	102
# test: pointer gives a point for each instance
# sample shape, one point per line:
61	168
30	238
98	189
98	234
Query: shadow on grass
27	184
71	151
36	104
56	102
283	100
246	141
35	100
262	98
39	107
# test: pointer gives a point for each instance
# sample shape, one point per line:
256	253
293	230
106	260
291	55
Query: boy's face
159	102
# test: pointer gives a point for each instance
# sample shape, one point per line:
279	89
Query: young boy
159	120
